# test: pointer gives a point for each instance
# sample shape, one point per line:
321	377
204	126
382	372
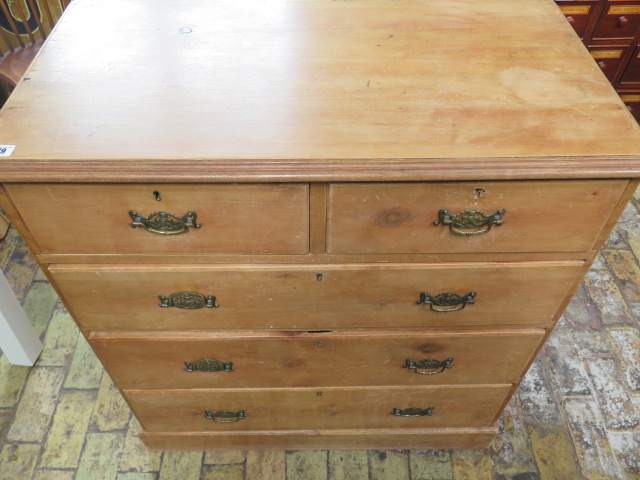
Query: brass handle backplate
447	301
470	222
209	365
164	223
428	366
188	300
413	412
225	416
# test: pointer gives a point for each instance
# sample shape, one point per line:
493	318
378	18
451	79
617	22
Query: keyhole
319	276
156	196
479	193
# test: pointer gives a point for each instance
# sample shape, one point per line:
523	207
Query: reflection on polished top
360	90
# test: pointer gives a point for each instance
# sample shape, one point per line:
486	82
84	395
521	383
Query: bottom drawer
317	408
432	438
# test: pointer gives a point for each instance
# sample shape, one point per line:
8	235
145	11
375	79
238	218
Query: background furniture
611	31
18	340
316	224
24	26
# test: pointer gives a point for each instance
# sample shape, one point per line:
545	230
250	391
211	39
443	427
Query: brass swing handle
470	222
188	301
164	223
428	366
446	301
225	416
209	365
413	412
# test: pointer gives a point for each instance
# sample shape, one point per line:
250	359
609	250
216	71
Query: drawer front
632	73
265	218
609	59
632	101
316	297
578	14
539	216
303	359
619	20
317	408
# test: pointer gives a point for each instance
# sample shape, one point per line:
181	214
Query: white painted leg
18	339
4	225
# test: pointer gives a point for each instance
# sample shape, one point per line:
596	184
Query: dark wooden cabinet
611	32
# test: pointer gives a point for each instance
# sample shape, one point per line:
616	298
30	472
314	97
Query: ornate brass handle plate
413	412
470	222
428	366
188	300
164	223
225	416
209	365
447	301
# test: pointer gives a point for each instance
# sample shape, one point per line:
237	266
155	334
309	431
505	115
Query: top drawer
234	218
539	216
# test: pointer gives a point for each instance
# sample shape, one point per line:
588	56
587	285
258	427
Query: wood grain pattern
317	408
316	90
399	218
305	359
292	297
86	218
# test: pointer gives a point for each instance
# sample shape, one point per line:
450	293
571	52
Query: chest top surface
159	90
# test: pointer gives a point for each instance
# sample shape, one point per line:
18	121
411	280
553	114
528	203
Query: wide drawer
539	216
122	297
317	408
306	359
233	218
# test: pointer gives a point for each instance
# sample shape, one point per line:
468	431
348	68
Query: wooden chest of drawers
316	224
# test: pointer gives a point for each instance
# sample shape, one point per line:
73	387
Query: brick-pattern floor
576	415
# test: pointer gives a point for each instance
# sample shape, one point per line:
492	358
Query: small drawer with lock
165	219
304	359
314	297
464	217
317	408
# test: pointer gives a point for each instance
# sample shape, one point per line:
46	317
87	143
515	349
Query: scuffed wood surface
316	90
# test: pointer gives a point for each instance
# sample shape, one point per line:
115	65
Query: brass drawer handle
413	412
188	300
428	366
225	416
209	365
164	223
469	222
447	301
